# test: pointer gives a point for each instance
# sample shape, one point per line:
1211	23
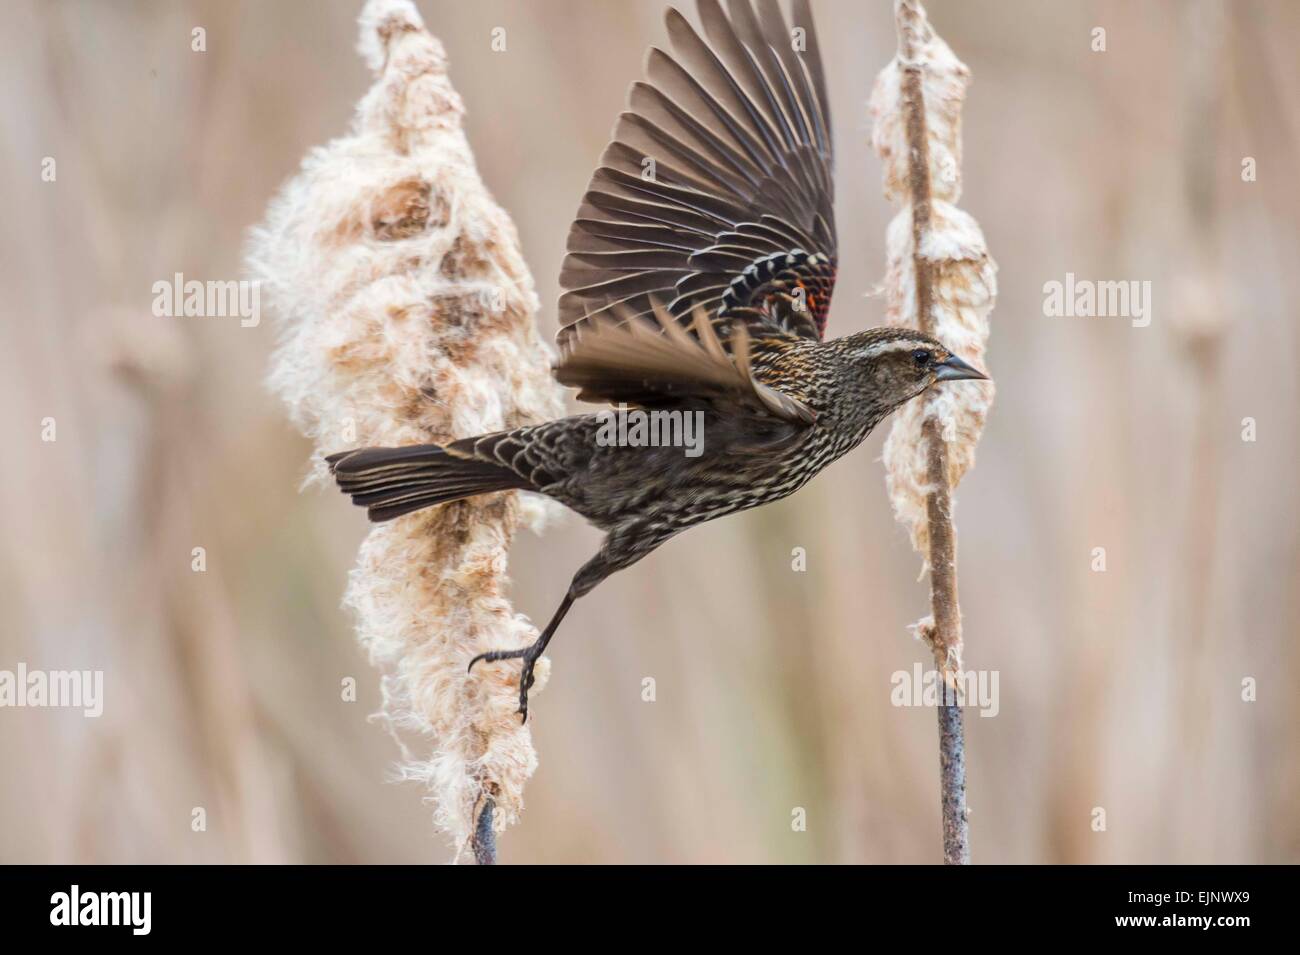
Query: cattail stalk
941	280
406	316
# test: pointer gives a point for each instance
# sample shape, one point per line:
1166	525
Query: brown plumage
697	287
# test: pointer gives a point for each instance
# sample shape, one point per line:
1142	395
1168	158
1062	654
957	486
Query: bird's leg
589	575
529	654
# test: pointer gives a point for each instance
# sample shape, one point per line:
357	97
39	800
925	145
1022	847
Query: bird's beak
954	369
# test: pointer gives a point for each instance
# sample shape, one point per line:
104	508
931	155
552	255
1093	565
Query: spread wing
716	192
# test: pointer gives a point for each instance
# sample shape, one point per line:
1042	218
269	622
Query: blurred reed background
1119	690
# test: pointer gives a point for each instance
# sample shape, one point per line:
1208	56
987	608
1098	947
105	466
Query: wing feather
717	191
651	361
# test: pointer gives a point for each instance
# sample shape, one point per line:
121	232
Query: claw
526	681
526	675
492	656
529	654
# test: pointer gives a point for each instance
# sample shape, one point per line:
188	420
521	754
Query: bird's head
893	365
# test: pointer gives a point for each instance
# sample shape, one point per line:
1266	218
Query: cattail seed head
406	315
961	277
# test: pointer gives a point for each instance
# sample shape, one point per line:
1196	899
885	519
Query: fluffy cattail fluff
937	256
407	315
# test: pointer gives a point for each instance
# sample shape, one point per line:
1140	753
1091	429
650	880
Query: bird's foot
529	655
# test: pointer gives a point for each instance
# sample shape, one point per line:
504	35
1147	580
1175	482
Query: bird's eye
921	357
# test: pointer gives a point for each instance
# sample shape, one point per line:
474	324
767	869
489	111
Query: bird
696	287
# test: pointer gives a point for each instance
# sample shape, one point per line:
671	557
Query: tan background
1119	690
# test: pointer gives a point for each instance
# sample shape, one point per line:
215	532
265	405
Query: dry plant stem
952	772
943	552
484	841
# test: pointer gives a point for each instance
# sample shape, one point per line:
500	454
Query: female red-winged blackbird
698	281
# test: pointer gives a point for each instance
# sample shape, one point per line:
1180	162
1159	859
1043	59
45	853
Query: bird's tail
390	482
